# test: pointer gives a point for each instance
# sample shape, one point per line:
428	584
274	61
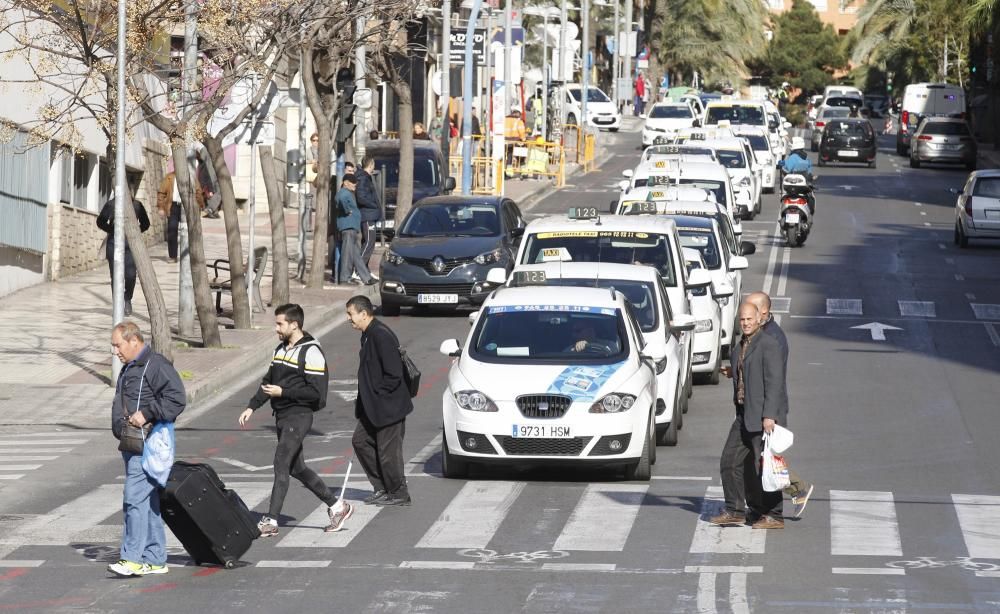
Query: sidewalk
55	350
988	157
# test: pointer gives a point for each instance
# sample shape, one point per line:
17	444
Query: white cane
339	505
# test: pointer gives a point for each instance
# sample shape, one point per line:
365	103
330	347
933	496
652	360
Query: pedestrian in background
640	95
420	133
148	390
106	222
799	490
209	186
368	202
758	374
296	385
349	226
381	407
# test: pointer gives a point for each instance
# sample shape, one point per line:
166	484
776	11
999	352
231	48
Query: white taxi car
977	210
550	375
708	315
766	156
740	162
666	118
643	289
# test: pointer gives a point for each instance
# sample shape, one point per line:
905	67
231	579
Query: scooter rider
797	162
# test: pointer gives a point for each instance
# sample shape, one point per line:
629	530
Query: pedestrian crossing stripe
862	523
33	448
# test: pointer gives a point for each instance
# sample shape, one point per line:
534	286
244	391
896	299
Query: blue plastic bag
158	452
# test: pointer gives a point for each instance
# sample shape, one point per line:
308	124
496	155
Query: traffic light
346	87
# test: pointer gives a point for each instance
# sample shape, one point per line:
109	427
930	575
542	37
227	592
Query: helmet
798	142
785	84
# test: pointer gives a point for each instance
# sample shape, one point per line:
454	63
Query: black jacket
301	390
764	394
382	394
163	397
106	222
367	198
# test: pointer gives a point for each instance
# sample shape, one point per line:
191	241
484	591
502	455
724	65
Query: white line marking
949	261
786	256
868	571
844	306
923	213
710	538
771	260
17	467
293	564
29	449
986	311
970	296
942	246
863	522
780	304
59	526
738	593
927	223
991	330
343	382
42	442
21	563
588	527
427	451
5	458
473	516
959	277
988	574
723	569
978	516
917	309
14	476
579	566
48	434
437	565
309	531
919	204
697	478
706	594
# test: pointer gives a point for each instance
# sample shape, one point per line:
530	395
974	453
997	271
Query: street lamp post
585	52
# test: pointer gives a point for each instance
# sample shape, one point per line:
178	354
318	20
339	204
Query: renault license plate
540	431
437	299
791	218
847	153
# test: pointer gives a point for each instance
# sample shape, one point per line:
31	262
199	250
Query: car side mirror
748	248
613	207
653	356
682	323
627	173
517	233
955	191
497	276
473	317
738	263
450	347
787	125
699	278
449	184
722	290
696	123
623	185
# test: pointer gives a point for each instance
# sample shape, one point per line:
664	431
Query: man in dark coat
106	222
371	210
381	407
758	371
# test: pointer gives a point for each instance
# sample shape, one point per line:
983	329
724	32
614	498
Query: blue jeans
143	539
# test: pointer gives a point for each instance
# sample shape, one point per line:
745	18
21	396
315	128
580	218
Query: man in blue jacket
148	391
349	225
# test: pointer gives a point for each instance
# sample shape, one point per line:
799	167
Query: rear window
849	128
736	115
946	128
842	101
836	112
988	187
664	112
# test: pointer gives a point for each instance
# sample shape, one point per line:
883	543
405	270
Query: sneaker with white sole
339	513
125	568
268	527
801	501
149	570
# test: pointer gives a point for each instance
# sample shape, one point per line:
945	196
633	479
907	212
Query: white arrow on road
877	330
847	187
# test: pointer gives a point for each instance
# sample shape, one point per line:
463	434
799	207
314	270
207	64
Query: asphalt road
898	435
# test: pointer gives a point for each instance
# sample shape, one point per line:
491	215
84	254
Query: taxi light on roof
583	213
529	278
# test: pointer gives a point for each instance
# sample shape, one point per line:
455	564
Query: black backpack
326	376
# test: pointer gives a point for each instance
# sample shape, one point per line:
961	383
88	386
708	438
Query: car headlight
702	326
473	400
489	257
744	183
393	258
613	403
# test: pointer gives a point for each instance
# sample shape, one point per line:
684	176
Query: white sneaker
268	527
801	501
355	276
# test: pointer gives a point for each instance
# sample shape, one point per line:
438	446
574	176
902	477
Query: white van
922	100
841	90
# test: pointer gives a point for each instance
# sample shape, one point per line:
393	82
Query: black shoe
128	308
375	497
371	282
396	499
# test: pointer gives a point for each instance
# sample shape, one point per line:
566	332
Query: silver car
943	139
825	115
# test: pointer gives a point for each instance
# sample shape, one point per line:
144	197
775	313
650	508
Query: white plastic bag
781	439
158	452
774	471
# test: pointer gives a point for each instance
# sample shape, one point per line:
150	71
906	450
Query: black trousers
289	461
129	273
380	452
739	467
173	223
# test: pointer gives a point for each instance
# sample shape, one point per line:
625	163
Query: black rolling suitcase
212	523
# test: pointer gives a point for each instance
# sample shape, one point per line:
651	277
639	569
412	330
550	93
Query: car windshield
715	187
987	187
731	159
639	293
552	333
736	115
593	95
670	112
704	242
623	247
843	101
836	112
946	129
849	128
463	219
757	142
426	172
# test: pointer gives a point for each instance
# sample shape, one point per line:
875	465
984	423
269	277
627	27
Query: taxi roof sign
583	213
554	254
529	278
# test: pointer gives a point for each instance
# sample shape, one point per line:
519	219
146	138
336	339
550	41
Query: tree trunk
159	324
196	249
323	106
234	243
404	194
279	240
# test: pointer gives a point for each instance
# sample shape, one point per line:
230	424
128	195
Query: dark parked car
428	173
943	139
444	249
848	140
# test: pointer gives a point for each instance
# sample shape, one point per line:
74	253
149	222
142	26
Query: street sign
362	98
456	48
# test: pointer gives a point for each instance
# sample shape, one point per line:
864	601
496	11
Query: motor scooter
798	208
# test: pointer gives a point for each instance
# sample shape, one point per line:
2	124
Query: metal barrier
487	174
538	159
589	145
571	141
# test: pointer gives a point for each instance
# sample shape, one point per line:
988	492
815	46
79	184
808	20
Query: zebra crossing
26	452
926	310
476	525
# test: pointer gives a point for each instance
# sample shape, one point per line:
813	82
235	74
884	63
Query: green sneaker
148	569
125	568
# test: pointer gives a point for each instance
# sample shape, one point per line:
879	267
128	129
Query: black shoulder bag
133	438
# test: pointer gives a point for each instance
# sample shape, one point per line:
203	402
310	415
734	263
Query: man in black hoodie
106	222
296	385
371	210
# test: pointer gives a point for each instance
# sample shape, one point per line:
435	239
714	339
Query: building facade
841	14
